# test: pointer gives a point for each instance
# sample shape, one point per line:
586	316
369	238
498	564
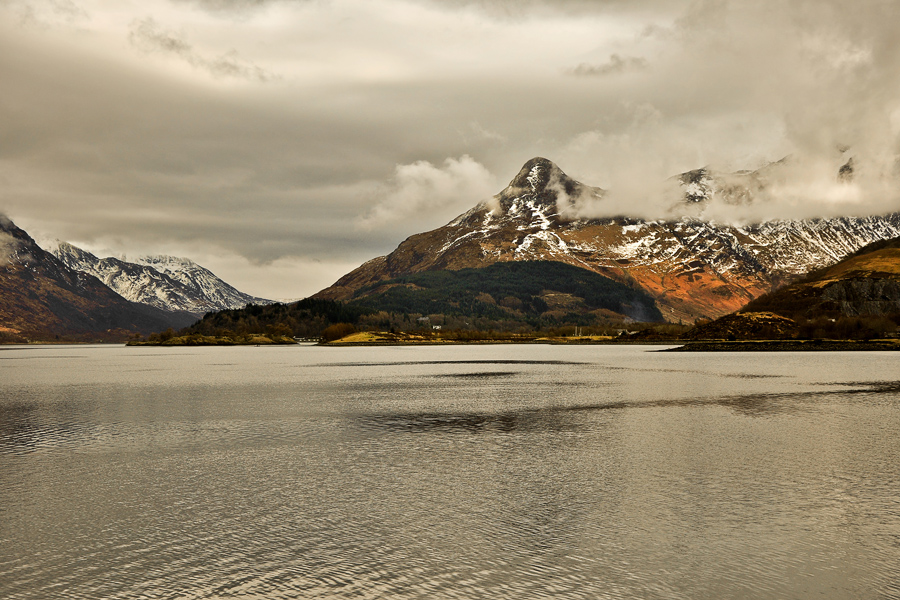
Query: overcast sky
282	143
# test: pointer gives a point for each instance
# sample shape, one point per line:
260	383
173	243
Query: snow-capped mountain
200	281
165	282
43	299
692	267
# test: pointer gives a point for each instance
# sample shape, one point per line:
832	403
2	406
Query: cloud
100	145
735	86
475	133
496	8
147	35
421	192
522	8
237	6
803	187
47	13
616	65
8	244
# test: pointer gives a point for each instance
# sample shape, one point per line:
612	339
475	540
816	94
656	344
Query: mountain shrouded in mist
235	132
693	268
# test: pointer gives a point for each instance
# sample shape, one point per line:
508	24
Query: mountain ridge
43	299
165	282
693	268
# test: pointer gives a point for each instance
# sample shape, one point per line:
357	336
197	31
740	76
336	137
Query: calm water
460	472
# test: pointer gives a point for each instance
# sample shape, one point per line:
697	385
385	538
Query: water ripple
572	479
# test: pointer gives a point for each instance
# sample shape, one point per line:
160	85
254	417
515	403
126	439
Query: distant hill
504	297
41	299
528	290
304	318
165	282
857	297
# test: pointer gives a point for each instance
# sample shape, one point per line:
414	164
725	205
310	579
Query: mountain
691	267
518	297
201	282
43	299
858	296
164	282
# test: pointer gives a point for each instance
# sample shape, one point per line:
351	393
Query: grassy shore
788	346
382	338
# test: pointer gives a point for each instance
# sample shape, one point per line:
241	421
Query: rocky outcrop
745	326
868	297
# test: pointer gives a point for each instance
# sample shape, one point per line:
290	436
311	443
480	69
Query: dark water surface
459	472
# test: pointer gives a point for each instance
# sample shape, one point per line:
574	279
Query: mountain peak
536	175
163	261
542	183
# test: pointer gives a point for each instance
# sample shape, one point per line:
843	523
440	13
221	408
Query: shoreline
788	346
381	340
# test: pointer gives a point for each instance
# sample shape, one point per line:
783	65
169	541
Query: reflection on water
480	375
541	421
449	362
458	472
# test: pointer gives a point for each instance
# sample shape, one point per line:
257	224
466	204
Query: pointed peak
536	174
542	182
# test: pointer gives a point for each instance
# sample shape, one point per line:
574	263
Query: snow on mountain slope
200	281
41	298
693	268
168	283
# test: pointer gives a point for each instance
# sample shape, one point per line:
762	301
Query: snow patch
534	177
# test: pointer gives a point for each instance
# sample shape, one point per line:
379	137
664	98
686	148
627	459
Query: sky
282	143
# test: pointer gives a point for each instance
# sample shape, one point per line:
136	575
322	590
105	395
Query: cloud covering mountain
283	142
